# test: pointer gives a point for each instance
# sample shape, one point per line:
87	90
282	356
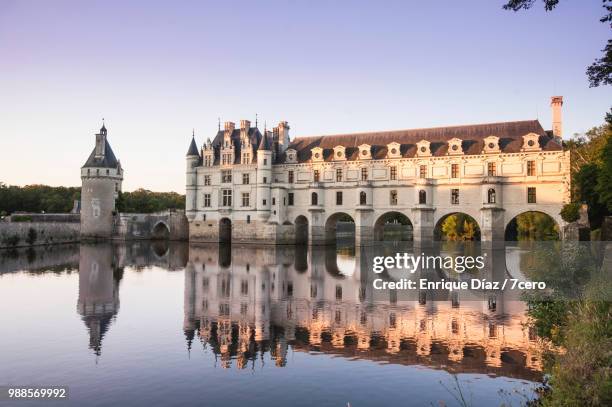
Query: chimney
101	144
229	127
555	103
283	135
245	125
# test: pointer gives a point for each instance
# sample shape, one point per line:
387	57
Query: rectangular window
531	195
273	201
393	173
455	196
245	199
265	161
393	197
454	170
265	180
207	200
338	198
491	169
316	176
290	197
364	174
246	158
264	202
245	179
227	197
290	177
338	174
422	171
206	179
226	176
207	161
531	168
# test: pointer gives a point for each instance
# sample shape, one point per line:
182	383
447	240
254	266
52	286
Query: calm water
157	324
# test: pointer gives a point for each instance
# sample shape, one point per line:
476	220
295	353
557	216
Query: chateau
249	186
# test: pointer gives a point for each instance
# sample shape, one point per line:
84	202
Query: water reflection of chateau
250	301
100	272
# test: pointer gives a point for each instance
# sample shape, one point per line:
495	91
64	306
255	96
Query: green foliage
604	181
458	226
534	226
549	318
21	218
37	198
144	201
570	212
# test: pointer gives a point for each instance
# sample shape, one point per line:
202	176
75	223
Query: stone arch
393	226
346	234
301	230
225	230
461	232
532	225
160	231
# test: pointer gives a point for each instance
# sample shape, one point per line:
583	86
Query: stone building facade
248	186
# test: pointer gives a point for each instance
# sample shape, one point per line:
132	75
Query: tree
604	180
449	227
600	71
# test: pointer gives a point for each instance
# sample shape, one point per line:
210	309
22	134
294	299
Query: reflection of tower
98	292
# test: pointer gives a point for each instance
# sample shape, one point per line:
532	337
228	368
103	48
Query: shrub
570	212
32	236
21	218
11	240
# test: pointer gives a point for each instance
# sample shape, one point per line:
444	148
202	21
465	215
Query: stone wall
168	225
20	234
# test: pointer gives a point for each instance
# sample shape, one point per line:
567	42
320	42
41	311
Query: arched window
422	197
491	196
314	199
363	198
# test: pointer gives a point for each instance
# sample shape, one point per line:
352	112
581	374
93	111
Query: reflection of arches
532	225
160	249
160	231
301	259
393	226
340	227
340	262
301	230
457	226
225	230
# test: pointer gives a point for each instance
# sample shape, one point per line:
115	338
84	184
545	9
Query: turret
101	178
264	175
192	160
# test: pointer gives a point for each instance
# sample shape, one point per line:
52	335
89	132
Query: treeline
144	201
37	198
44	198
591	159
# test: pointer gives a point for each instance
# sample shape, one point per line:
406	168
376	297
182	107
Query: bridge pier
364	227
423	224
492	224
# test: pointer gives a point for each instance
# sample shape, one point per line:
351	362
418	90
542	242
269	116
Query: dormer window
291	156
316	154
455	146
423	148
531	142
491	144
339	153
365	152
393	150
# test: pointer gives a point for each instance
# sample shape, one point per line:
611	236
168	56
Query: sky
156	70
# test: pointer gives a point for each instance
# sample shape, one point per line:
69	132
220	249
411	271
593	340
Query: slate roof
193	148
472	136
254	137
109	160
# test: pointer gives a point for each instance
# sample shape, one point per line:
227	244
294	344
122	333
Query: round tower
101	179
264	176
192	159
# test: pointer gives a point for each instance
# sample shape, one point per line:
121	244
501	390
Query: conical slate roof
193	148
108	161
265	143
